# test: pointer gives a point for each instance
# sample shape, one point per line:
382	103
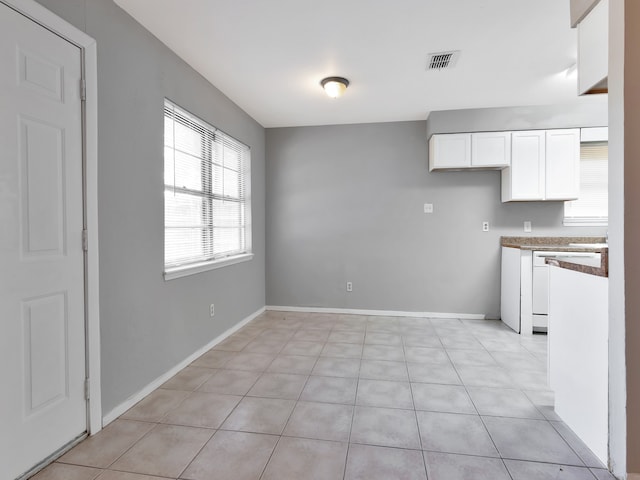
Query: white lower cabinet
510	288
545	165
578	354
515	290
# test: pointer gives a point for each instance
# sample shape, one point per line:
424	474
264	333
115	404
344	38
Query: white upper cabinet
545	165
536	165
450	151
456	151
562	172
491	149
593	53
524	179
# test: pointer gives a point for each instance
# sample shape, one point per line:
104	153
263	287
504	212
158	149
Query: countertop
590	266
555	244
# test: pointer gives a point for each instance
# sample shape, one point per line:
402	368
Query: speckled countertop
564	244
592	266
554	244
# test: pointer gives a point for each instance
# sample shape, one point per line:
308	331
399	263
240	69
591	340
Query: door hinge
85	241
86	389
83	90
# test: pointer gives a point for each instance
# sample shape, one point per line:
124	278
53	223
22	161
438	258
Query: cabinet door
525	179
510	288
540	301
450	151
491	149
563	164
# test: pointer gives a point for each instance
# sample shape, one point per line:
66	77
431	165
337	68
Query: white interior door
42	319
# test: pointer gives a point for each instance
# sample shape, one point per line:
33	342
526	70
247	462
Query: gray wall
345	203
149	325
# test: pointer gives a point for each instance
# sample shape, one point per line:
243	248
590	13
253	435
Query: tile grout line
236	406
477	411
165	415
415	412
353	408
502	460
264	469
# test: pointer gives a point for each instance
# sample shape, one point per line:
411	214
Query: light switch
428	208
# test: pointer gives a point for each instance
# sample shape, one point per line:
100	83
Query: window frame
209	143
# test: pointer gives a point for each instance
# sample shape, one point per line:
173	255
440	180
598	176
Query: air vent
442	60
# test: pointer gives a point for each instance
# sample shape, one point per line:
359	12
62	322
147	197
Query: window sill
585	222
192	269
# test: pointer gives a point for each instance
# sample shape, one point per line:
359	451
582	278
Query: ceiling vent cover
442	60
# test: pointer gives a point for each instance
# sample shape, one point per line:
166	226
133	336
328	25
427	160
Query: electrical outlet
349	287
212	310
527	227
428	208
485	226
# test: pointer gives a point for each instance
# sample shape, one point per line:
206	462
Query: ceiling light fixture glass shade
334	86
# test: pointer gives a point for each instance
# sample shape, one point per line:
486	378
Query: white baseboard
384	313
633	476
135	398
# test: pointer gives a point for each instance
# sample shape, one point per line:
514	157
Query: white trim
61	27
633	476
51	21
136	397
91	206
585	222
594	134
192	269
381	313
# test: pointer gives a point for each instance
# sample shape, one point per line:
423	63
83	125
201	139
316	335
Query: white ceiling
269	56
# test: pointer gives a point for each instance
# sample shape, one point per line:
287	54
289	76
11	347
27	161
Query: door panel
42	322
540	299
45	353
42	187
42	76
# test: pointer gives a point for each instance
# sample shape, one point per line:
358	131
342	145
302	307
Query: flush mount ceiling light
334	86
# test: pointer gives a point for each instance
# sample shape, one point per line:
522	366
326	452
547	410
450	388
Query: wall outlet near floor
212	310
349	287
527	226
485	226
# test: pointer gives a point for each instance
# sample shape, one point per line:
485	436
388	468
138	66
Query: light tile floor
295	396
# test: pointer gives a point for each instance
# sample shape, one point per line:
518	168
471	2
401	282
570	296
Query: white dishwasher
540	284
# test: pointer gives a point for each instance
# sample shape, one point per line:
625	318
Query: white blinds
594	184
206	176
